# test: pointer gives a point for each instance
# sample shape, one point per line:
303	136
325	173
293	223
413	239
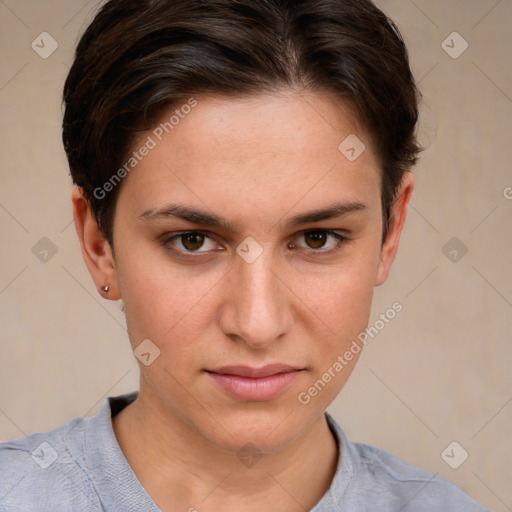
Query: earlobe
96	250
396	223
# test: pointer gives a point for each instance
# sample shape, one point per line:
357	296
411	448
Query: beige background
440	372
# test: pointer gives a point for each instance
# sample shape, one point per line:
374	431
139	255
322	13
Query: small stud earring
105	288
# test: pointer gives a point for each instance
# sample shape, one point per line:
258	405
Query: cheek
160	300
341	296
342	308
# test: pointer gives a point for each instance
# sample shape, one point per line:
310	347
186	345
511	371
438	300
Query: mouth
255	384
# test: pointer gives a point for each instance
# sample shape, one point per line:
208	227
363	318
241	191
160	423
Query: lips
247	371
255	384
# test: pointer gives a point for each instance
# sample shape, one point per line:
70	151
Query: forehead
249	153
283	124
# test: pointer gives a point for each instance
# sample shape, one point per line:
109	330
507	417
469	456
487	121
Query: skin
256	162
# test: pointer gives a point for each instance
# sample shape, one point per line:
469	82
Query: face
247	247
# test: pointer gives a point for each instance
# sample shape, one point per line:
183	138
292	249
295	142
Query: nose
259	310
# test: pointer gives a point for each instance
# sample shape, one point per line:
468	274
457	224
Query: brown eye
192	241
193	244
319	241
315	239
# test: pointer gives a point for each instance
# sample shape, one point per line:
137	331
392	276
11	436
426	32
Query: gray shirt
80	467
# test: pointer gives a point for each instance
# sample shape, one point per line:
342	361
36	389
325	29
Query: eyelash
341	240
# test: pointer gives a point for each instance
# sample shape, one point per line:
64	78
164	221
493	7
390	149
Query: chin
269	427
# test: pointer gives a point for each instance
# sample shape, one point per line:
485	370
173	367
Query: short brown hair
139	57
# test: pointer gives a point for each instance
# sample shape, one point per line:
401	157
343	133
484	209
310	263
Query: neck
182	470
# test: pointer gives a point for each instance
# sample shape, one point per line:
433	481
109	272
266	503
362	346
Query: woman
242	175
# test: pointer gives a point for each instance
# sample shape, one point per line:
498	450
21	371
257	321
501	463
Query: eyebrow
197	216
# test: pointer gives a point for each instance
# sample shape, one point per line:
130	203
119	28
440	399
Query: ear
95	248
396	223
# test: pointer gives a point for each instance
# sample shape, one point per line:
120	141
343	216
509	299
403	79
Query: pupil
317	239
192	241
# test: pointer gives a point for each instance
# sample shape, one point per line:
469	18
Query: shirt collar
119	488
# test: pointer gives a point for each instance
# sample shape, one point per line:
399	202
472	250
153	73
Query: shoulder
44	472
408	486
381	481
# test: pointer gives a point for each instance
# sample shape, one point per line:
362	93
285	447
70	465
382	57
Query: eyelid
169	237
341	240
